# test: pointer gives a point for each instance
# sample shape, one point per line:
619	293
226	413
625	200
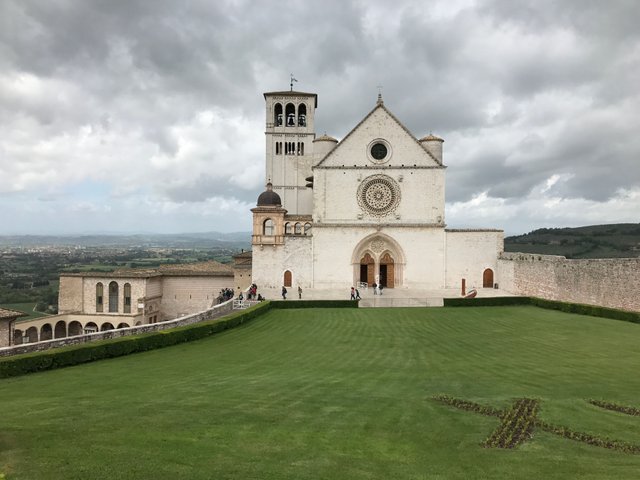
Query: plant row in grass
469	406
589	439
579	308
519	421
516	426
88	352
615	407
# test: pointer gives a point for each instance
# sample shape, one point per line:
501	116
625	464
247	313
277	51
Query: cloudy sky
148	116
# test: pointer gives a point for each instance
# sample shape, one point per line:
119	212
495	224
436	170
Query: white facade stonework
377	213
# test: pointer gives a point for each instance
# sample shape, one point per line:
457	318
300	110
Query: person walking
353	293
380	288
358	294
299	292
375	288
284	293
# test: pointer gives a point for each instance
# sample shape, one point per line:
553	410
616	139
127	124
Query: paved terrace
391	297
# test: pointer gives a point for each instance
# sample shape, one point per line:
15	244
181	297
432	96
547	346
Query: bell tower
290	132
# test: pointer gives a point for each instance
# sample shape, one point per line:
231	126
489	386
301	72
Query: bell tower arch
290	132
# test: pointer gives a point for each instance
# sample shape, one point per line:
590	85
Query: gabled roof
379	105
293	93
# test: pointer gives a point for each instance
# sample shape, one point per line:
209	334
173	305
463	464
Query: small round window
379	151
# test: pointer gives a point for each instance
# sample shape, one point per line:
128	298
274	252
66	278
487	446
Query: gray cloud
534	99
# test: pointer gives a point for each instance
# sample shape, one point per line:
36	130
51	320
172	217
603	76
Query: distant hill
597	241
179	240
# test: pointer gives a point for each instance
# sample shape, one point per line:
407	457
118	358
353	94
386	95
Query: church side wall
608	282
183	295
469	254
70	294
154	287
270	262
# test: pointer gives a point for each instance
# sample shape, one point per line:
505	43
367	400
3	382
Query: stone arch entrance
387	271
381	258
367	269
487	278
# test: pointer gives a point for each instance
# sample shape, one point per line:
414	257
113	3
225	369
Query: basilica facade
367	209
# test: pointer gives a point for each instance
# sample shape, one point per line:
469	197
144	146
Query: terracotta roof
6	313
119	273
247	254
211	267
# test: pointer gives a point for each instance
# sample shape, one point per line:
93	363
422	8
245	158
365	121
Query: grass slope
27	308
335	394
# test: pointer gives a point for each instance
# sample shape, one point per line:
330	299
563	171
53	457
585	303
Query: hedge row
486	301
314	304
579	308
88	352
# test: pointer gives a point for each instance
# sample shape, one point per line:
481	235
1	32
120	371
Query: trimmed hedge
88	352
314	304
579	308
486	301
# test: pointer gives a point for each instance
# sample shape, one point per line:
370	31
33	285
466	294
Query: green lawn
335	394
26	308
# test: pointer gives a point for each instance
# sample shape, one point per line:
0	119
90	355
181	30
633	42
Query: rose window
378	195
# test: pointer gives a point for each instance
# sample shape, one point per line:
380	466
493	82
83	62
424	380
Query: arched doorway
32	334
106	326
487	278
367	269
387	271
287	278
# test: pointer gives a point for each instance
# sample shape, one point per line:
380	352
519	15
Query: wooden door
287	278
387	264
487	278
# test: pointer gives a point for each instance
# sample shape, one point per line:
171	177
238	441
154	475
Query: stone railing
210	314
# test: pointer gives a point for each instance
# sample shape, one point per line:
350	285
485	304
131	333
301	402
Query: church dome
325	138
269	198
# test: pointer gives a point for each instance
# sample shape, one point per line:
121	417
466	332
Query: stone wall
70	296
5	331
215	312
611	282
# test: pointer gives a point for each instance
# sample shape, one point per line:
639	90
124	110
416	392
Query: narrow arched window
99	297
267	227
113	297
307	228
127	298
298	229
300	148
302	115
290	113
287	228
277	115
277	148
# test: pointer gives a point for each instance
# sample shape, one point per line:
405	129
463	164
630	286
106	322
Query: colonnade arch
379	259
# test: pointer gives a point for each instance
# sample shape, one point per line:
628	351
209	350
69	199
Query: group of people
225	294
355	293
377	289
252	294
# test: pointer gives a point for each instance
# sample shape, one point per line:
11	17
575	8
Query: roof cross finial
293	79
379	87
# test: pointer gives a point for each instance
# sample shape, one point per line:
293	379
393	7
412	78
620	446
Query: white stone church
369	208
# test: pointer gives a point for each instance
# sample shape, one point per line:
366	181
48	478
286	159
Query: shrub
486	301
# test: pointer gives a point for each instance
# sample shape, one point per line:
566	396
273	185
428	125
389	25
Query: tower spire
379	102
